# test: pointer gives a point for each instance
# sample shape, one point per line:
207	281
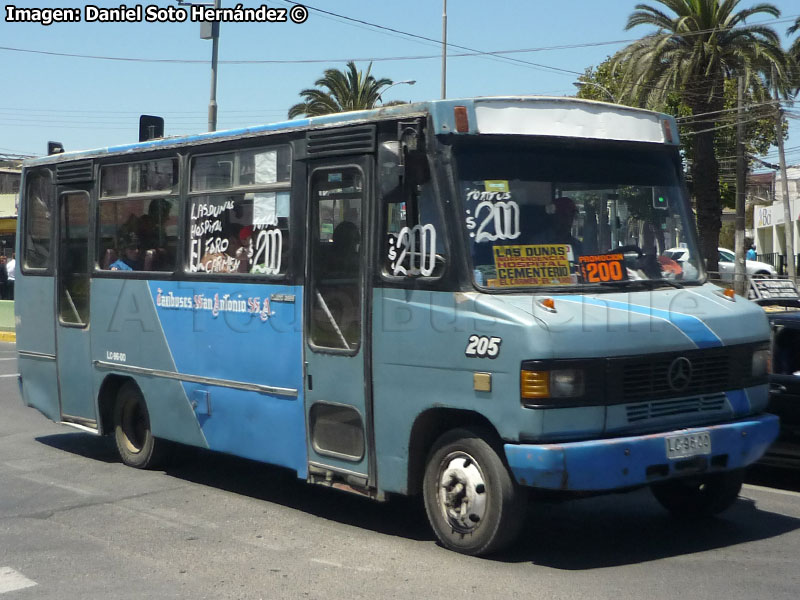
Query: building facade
770	224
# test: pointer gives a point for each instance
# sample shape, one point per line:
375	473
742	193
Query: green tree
695	50
794	56
606	80
350	89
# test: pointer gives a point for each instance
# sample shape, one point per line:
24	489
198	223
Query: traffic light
660	200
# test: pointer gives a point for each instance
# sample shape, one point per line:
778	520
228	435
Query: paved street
75	523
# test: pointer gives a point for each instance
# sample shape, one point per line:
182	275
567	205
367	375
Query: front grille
646	378
643	411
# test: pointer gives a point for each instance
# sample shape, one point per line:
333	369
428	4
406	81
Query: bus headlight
761	362
566	383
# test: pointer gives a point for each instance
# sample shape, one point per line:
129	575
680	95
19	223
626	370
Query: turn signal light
729	293
535	384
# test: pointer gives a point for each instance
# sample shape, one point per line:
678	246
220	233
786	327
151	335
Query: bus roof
510	115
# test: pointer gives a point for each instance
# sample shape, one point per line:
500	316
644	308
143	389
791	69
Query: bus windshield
567	213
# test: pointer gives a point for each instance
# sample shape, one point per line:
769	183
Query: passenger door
73	351
337	350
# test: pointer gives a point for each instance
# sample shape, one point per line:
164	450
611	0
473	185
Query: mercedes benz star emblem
680	374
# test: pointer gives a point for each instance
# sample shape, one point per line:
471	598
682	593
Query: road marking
14	358
330	563
773	490
11	580
11	375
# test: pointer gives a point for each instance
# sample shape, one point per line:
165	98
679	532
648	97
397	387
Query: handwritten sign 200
422	261
494	221
268	252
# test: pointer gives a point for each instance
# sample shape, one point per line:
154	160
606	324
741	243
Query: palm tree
794	55
345	90
693	52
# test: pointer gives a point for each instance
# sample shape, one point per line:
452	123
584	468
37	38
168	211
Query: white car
727	259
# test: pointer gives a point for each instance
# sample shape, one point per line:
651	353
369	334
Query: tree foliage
698	46
605	80
340	91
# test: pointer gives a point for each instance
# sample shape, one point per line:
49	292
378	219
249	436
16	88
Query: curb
8	336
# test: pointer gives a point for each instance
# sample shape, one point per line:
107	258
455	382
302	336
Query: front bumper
617	463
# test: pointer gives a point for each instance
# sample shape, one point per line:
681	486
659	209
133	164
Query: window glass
240	233
263	167
73	280
139	178
212	172
542	214
38	219
138	234
336	311
414	233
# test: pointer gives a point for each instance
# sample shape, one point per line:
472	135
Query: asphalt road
75	523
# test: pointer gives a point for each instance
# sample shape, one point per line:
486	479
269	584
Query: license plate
688	444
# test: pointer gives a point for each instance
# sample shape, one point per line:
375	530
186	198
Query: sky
89	103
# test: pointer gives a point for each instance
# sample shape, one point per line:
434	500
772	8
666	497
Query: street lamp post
578	84
212	103
444	49
391	85
210	31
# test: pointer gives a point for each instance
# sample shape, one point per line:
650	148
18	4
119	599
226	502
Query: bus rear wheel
473	504
698	497
136	444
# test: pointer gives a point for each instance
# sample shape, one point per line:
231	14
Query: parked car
726	263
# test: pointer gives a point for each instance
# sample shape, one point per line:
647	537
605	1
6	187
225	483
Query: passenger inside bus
344	253
561	222
130	251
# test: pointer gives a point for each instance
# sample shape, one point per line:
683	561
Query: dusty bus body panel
431	349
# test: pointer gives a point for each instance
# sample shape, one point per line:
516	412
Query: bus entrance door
73	353
337	380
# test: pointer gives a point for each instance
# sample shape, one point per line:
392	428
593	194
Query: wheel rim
134	424
462	492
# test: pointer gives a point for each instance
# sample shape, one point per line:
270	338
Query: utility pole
212	103
444	49
209	30
788	224
739	271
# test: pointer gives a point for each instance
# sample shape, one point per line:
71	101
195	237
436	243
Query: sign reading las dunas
154	14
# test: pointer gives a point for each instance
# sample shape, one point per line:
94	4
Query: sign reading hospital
537	264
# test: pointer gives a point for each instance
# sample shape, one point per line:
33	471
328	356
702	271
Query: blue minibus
460	299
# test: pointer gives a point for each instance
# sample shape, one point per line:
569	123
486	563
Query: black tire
698	497
473	504
136	444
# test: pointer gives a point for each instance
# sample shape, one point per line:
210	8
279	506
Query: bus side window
39	199
138	234
414	236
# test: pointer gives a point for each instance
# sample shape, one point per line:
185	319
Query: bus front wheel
699	497
473	504
135	442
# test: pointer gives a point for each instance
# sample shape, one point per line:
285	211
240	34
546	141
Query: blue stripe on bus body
692	327
248	339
